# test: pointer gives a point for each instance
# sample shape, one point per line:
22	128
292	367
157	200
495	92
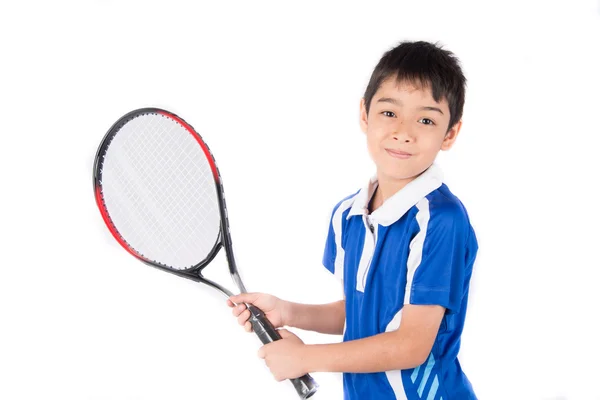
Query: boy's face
405	128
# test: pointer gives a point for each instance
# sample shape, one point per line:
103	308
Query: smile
398	154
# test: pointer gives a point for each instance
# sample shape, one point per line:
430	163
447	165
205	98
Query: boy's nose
401	133
402	136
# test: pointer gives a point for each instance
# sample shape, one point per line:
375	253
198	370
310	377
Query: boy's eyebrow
399	103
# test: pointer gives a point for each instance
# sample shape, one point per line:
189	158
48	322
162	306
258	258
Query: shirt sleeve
438	259
333	256
330	252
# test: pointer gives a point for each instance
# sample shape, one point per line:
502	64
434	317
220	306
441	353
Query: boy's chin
395	174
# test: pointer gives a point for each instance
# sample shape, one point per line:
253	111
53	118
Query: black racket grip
305	385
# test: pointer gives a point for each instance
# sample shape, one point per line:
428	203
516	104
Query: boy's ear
451	136
363	116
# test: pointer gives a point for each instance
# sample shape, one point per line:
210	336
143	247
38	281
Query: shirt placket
368	251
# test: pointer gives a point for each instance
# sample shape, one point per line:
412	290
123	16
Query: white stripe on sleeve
337	229
416	246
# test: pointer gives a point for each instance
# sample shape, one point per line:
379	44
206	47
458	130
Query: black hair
425	65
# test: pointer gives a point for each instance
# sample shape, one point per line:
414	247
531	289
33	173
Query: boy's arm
322	318
407	347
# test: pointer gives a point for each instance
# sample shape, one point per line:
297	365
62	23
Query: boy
403	247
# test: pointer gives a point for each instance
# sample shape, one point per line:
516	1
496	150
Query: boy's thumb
284	333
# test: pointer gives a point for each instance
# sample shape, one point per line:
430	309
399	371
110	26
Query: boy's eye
388	114
426	121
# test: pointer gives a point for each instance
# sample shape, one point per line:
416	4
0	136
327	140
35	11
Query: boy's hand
285	357
274	308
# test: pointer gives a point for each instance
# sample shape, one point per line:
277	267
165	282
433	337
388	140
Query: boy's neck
386	188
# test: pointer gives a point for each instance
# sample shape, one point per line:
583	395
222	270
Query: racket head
159	191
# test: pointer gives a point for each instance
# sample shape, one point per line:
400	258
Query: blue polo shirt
418	247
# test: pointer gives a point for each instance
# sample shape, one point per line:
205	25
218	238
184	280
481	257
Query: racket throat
231	261
215	285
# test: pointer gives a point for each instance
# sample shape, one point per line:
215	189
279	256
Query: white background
274	88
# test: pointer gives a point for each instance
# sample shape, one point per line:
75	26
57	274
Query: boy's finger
243	318
261	352
284	333
248	327
244	298
237	310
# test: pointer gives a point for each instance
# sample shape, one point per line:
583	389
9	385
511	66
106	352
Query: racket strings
160	193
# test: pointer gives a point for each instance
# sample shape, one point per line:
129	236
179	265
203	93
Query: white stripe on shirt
416	246
337	229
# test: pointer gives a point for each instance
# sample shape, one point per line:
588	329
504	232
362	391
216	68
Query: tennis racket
160	194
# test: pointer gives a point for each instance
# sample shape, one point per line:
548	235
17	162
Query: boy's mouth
398	154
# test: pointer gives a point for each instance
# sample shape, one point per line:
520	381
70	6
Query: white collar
396	206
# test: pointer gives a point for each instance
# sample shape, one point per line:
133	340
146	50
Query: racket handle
305	385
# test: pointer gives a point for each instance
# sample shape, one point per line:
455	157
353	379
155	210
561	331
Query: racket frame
223	238
305	386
